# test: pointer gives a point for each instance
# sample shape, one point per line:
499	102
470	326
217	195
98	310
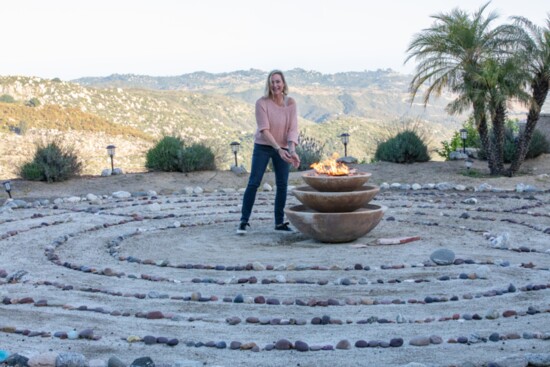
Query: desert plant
310	150
405	147
33	102
6	98
196	157
164	155
51	163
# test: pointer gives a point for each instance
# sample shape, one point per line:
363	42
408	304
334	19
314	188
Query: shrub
309	150
33	102
6	98
405	147
51	163
456	143
197	157
538	145
164	155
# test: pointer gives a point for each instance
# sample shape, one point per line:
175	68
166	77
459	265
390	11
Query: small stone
283	344
420	341
234	345
172	342
149	340
71	360
343	344
443	256
301	346
396	342
361	344
436	339
494	337
143	362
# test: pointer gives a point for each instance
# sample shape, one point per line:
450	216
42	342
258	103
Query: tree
452	54
534	46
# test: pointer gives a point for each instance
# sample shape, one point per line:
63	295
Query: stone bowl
322	182
335	227
335	202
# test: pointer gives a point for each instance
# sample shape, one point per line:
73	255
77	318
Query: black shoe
283	227
242	228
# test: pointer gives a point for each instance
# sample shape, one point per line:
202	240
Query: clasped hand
291	158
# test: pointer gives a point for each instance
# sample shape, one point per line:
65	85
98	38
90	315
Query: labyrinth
166	277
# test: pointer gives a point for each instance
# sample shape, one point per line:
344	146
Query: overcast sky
76	38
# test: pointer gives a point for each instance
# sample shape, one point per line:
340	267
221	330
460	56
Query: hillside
214	108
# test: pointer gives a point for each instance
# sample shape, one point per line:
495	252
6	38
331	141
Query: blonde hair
267	91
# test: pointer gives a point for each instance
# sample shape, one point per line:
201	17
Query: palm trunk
481	123
540	91
498	131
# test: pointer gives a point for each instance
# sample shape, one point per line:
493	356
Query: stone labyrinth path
167	277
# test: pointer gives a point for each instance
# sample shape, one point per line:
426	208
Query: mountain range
132	111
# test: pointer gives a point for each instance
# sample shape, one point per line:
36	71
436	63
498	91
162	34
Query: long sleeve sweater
282	122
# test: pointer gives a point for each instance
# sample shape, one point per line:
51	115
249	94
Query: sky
70	39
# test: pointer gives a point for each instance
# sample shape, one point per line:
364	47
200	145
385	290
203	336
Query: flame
331	167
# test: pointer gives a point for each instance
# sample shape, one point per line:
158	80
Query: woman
276	139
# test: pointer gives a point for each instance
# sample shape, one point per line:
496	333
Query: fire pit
335	202
326	182
335	208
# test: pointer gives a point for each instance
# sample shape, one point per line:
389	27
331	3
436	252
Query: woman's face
277	85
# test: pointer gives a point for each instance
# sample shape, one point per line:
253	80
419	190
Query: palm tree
534	43
451	54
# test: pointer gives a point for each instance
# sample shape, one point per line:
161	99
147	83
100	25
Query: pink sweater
282	122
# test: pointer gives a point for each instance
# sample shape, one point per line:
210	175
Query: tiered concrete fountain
335	208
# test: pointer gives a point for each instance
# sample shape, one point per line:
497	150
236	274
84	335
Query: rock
443	186
436	339
396	342
470	201
47	359
443	256
17	360
115	362
512	361
198	190
420	341
121	194
538	359
343	344
72	199
267	187
301	346
118	171
106	172
283	344
484	187
143	362
97	363
71	360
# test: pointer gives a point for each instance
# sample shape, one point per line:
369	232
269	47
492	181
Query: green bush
197	157
538	145
51	163
309	150
33	102
164	155
405	147
6	98
456	143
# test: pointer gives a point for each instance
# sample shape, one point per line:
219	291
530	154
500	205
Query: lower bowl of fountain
335	202
323	182
335	227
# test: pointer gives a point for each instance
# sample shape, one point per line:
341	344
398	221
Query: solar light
7	187
235	146
468	163
111	153
463	136
345	140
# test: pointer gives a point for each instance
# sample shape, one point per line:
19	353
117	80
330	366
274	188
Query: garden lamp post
345	140
463	136
111	153
468	163
235	146
7	187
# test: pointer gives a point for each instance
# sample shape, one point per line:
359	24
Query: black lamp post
7	187
111	153
345	140
235	146
463	136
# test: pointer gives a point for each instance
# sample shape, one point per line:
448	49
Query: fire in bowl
335	202
335	227
324	182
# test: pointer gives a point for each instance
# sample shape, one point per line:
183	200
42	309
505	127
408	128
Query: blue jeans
260	158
